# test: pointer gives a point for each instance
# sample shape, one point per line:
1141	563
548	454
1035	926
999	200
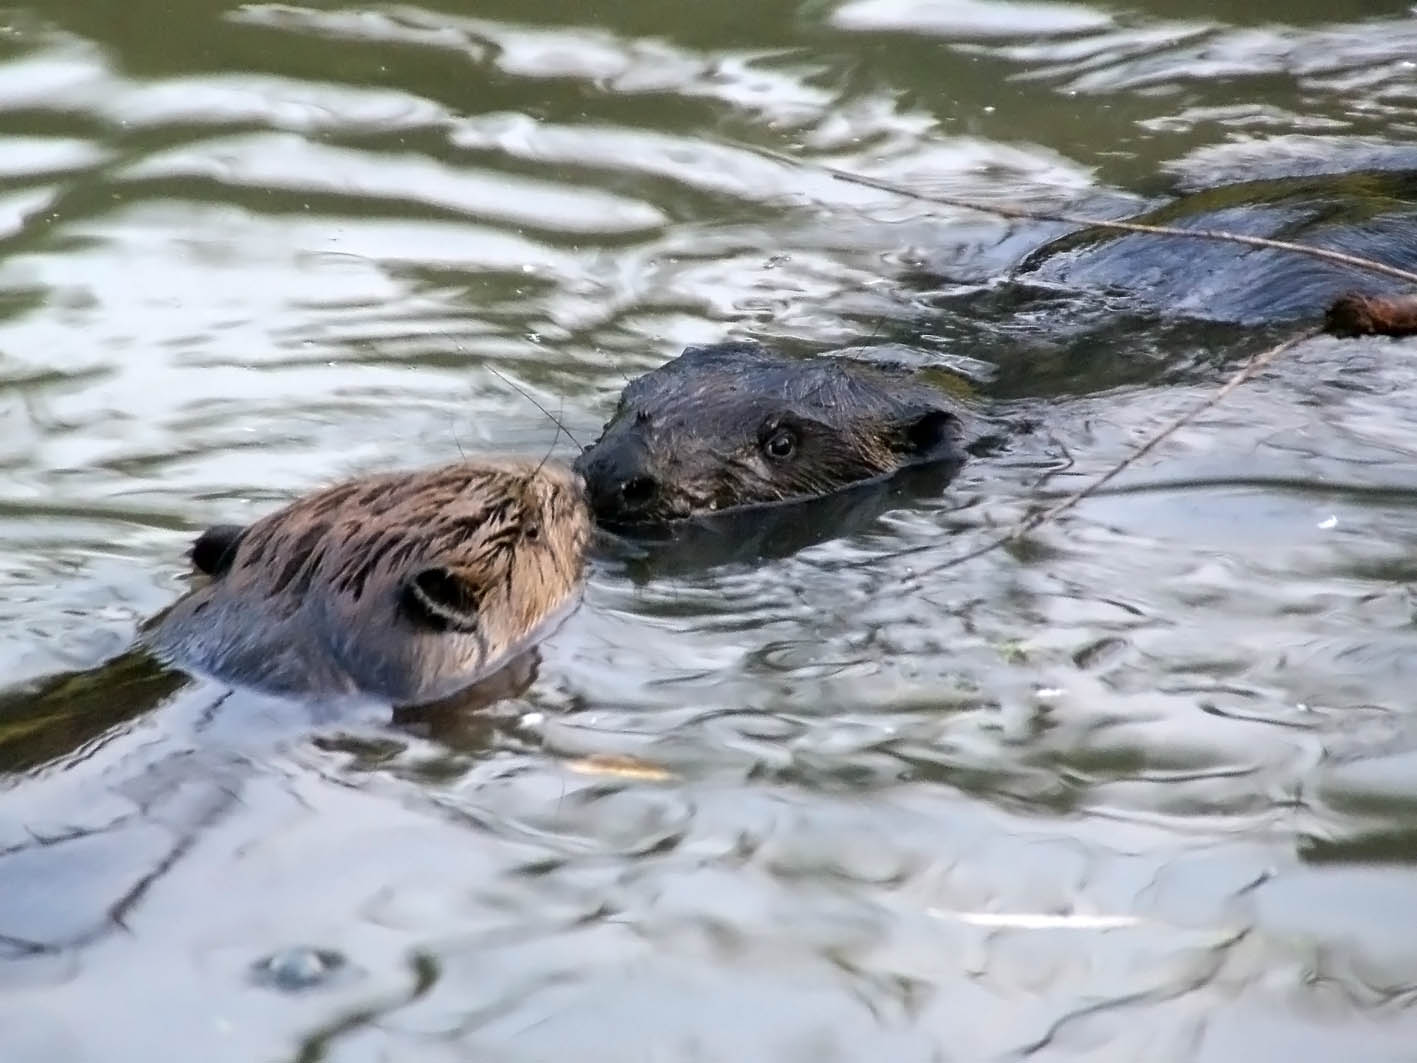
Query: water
1142	789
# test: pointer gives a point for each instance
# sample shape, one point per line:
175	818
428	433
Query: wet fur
1367	213
689	437
406	586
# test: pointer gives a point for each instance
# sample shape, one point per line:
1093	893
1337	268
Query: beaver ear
215	549
927	432
441	599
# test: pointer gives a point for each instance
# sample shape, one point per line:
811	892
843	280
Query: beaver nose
638	492
620	487
625	498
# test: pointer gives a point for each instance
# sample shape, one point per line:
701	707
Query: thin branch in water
1244	373
1037	520
1067	218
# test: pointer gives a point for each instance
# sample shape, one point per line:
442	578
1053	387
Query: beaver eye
781	445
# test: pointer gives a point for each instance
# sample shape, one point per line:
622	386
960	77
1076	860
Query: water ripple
1132	788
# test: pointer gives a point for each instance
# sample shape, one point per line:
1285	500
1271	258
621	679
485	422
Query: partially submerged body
405	587
1371	214
732	425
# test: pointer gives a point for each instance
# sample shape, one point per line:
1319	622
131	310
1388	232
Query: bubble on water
299	968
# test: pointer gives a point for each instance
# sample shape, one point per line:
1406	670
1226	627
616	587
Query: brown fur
1372	315
405	586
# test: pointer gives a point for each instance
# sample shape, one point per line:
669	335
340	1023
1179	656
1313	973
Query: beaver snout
638	491
624	500
621	486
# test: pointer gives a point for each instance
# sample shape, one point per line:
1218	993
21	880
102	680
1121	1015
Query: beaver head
731	425
406	587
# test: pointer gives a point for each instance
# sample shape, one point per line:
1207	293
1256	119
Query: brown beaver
415	588
405	586
733	425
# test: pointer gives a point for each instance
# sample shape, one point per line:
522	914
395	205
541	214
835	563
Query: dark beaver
1368	213
732	425
405	586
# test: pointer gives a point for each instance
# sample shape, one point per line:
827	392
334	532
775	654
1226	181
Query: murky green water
247	249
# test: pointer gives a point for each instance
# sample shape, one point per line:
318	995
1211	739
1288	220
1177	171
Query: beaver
1370	213
422	589
733	425
404	587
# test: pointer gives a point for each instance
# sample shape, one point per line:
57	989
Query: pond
1142	787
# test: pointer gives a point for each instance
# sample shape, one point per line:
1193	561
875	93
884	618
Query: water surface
1140	790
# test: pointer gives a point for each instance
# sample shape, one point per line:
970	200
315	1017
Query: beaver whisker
560	425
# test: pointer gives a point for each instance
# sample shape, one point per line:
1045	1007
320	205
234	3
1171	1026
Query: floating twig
1067	218
1244	373
1037	520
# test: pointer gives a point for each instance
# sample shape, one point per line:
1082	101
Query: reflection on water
1137	788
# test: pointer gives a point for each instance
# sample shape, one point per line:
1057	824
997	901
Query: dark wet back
734	425
1372	215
